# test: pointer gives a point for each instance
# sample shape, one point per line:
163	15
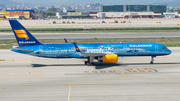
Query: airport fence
93	19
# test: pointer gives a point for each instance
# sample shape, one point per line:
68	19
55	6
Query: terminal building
133	8
118	11
125	14
69	15
129	11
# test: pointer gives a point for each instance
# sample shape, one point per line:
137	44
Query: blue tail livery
102	52
23	37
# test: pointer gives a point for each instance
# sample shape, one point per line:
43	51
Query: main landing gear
89	62
152	59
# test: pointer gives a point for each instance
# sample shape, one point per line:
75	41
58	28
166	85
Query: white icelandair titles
142	45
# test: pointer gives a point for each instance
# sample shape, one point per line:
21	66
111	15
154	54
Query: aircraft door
124	48
156	48
40	48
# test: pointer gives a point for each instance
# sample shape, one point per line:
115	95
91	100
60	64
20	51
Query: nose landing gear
152	59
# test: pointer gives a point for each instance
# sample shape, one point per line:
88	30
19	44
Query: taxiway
5	36
24	77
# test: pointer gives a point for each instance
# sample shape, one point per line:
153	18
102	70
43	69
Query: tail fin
23	37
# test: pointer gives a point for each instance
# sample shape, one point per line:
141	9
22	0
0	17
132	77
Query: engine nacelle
109	58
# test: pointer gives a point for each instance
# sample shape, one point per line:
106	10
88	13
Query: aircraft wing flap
87	54
27	50
92	54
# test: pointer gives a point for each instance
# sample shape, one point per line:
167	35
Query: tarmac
24	77
8	36
95	23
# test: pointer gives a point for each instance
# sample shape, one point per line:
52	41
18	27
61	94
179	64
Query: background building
125	14
1	15
169	15
68	10
139	8
129	11
69	15
17	14
31	13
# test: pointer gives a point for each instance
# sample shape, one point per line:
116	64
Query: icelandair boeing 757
102	52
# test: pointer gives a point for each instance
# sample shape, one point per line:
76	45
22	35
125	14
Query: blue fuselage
121	49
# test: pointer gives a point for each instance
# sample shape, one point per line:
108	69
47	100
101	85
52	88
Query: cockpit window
164	47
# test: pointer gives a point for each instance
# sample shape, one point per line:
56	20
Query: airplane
102	52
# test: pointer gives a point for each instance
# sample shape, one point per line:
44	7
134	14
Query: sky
104	2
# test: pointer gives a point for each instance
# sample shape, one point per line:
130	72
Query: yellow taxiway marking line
100	71
141	70
151	77
14	75
120	72
93	84
96	83
89	83
108	80
69	93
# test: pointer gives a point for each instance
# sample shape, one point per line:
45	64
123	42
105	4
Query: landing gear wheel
85	62
92	64
151	62
88	64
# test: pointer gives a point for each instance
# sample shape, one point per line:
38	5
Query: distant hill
8	2
174	3
69	2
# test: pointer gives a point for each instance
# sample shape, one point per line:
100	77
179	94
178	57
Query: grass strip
169	42
131	29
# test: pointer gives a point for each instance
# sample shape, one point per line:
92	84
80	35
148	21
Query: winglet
76	47
65	40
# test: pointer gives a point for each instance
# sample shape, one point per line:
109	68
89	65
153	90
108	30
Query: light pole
129	10
123	8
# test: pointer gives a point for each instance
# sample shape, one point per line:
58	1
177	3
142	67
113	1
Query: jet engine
109	58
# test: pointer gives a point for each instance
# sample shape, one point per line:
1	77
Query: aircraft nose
169	52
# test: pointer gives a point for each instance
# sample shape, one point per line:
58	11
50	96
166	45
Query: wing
87	54
92	54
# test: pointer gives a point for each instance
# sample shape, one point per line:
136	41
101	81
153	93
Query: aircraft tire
151	62
85	62
88	64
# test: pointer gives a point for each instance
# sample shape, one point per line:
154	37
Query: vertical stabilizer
23	37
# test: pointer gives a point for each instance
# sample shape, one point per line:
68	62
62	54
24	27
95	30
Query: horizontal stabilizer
27	50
